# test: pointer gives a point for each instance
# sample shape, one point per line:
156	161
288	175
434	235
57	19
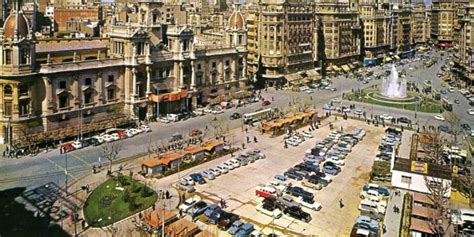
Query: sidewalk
392	219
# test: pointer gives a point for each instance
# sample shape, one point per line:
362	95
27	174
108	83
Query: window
24	107
110	94
406	179
88	97
8	56
227	63
199	66
213	65
7	90
62	85
88	81
8	108
63	102
110	78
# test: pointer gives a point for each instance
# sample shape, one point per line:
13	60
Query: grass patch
107	205
427	105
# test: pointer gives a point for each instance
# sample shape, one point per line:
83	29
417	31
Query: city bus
447	105
258	115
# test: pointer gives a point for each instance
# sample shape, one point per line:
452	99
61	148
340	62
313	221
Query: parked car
309	203
299	192
197	209
298	214
234	228
208	174
91	141
226	220
284	201
330	170
188	179
188	203
215	171
197	178
235	116
211	209
265	103
293	175
245	230
76	144
223	169
269	210
184	186
145	128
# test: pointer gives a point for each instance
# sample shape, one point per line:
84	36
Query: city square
256	118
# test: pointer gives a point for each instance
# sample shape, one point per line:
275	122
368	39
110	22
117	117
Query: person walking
341	204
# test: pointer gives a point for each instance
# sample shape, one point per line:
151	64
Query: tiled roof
70	46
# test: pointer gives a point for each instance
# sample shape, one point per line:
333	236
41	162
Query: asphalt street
31	172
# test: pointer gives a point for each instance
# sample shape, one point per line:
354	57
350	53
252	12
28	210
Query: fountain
393	90
393	86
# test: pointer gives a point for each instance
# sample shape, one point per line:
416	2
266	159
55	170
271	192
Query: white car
223	169
386	117
135	131
292	142
129	133
188	203
307	134
298	139
115	136
371	194
336	100
470	111
108	138
164	120
145	128
439	117
215	171
188	180
309	91
450	89
269	210
310	204
336	160
217	111
228	165
77	144
234	162
99	139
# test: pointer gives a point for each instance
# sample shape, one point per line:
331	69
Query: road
31	172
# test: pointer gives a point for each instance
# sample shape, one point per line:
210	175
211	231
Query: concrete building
339	31
420	23
402	43
284	33
53	89
463	48
375	21
442	22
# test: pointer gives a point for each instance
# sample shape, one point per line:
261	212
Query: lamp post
66	174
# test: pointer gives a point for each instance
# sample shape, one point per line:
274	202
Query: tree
438	192
116	113
29	133
110	151
453	122
433	144
466	185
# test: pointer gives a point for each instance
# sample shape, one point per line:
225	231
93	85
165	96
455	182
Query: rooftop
60	46
423	168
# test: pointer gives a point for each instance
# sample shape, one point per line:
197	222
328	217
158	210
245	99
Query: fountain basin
406	100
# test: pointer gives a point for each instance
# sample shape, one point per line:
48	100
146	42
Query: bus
258	115
447	105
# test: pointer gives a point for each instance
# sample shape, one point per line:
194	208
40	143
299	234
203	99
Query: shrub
146	192
136	188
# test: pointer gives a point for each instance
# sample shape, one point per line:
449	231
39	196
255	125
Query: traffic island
414	102
117	198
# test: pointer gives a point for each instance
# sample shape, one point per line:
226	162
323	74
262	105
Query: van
372	207
370	193
235	163
172	117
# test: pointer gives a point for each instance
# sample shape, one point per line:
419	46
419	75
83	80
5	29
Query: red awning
173	96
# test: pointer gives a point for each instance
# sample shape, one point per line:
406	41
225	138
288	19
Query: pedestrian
246	129
273	98
167	194
255	139
153	207
394	208
206	127
223	138
248	139
243	145
183	197
341	204
180	213
310	97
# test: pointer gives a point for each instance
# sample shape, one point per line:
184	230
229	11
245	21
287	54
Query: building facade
54	89
442	22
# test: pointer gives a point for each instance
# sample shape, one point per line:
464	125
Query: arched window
7	90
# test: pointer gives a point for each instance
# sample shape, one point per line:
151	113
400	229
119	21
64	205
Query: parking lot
237	187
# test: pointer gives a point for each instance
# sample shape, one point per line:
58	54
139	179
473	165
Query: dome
236	21
10	24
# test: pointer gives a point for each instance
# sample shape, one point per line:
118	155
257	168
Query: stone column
181	76
79	92
244	70
134	83
148	80
193	76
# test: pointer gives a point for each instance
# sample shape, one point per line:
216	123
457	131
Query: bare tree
466	182
29	133
453	122
110	151
116	113
433	144
438	192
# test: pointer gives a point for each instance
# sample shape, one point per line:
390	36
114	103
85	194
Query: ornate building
60	88
375	20
339	28
464	48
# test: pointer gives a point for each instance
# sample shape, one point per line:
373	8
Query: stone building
442	22
375	21
57	89
463	48
282	39
339	28
420	23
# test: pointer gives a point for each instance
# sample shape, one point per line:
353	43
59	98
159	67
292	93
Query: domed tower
17	47
236	31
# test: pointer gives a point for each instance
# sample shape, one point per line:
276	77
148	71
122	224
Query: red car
265	191
67	147
265	103
122	134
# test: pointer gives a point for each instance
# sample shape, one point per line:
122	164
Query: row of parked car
244	158
373	200
297	138
110	135
365	226
390	142
214	214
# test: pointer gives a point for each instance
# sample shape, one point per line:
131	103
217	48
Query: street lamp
66	174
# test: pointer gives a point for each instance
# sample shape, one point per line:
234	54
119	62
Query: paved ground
238	187
392	219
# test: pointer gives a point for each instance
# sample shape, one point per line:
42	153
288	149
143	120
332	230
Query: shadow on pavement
31	213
